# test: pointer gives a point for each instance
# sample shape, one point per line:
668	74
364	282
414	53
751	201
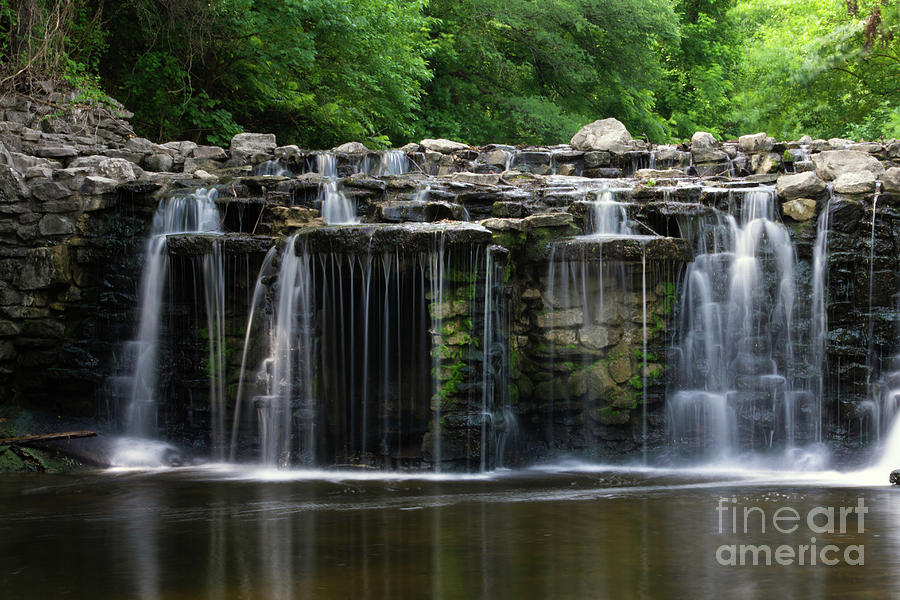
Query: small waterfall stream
196	213
369	332
735	386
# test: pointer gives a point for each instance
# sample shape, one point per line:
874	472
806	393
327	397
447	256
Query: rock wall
77	191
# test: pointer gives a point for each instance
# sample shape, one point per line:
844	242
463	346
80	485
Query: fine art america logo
735	519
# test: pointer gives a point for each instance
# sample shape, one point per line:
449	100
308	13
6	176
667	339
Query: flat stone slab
597	248
194	244
406	238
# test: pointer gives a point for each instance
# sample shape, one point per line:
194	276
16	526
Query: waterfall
272	168
819	321
196	213
214	299
497	418
734	385
607	215
392	162
336	207
361	329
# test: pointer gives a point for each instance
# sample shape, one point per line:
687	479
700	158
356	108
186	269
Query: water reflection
528	535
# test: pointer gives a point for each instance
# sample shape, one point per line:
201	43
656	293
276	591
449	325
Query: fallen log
40	437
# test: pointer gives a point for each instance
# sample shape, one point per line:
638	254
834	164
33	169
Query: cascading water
271	168
819	320
392	162
607	215
734	386
360	329
196	213
591	308
336	207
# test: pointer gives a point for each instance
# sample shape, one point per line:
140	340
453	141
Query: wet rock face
75	210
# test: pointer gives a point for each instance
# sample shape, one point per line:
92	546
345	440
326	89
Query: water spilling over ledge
445	307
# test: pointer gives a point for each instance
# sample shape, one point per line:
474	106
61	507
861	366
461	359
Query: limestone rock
208	153
410	147
659	173
44	268
503	224
352	148
94	185
599	383
287	153
597	160
862	182
868	147
756	143
139	145
57	152
763	164
608	135
891	180
550	220
560	318
251	143
476	178
49	191
800	185
893	148
831	164
56	225
620	369
703	149
799	209
702	139
183	148
496	158
159	163
840	143
597	337
117	168
442	146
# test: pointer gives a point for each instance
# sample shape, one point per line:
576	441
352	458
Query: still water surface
569	532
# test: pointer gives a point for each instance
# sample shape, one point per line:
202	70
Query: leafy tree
824	68
701	70
527	71
317	72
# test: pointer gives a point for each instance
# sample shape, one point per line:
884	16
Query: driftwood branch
40	437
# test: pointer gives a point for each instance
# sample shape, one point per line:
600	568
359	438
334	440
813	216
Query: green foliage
316	72
701	69
823	68
384	72
534	72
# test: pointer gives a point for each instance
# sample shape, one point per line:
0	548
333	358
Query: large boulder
756	143
703	139
800	185
253	143
442	146
704	148
862	182
831	164
352	148
118	169
608	135
891	180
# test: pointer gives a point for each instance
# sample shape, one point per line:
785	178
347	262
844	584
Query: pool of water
566	531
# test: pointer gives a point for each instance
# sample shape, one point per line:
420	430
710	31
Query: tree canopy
384	72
